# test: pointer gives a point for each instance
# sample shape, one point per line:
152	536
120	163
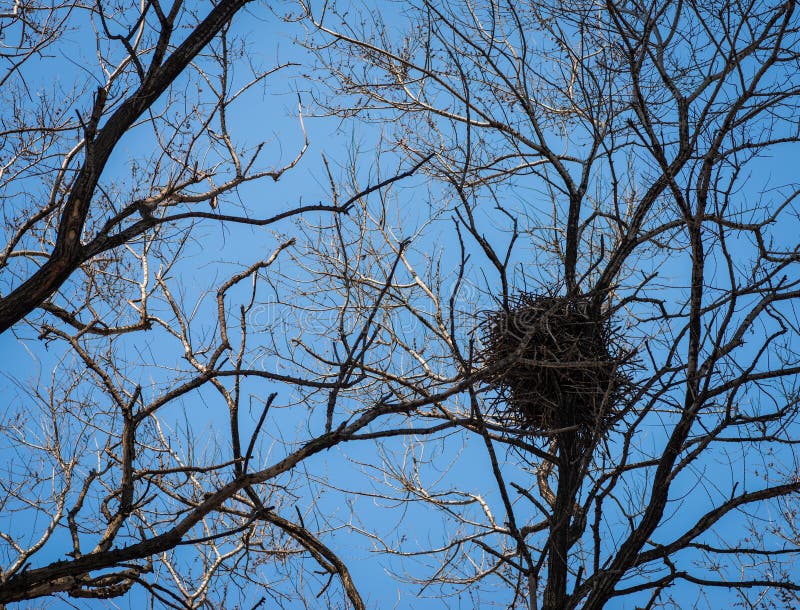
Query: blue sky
270	113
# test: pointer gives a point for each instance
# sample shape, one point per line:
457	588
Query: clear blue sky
271	114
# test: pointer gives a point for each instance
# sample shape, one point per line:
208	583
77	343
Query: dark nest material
555	364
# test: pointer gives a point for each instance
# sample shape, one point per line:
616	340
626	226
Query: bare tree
138	60
593	173
160	450
630	157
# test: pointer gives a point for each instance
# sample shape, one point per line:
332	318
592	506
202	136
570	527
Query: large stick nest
555	364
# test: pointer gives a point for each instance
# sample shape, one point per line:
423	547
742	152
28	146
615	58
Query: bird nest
555	365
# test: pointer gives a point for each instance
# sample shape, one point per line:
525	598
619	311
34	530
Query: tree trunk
558	544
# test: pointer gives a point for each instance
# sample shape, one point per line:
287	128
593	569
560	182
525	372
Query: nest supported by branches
555	365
